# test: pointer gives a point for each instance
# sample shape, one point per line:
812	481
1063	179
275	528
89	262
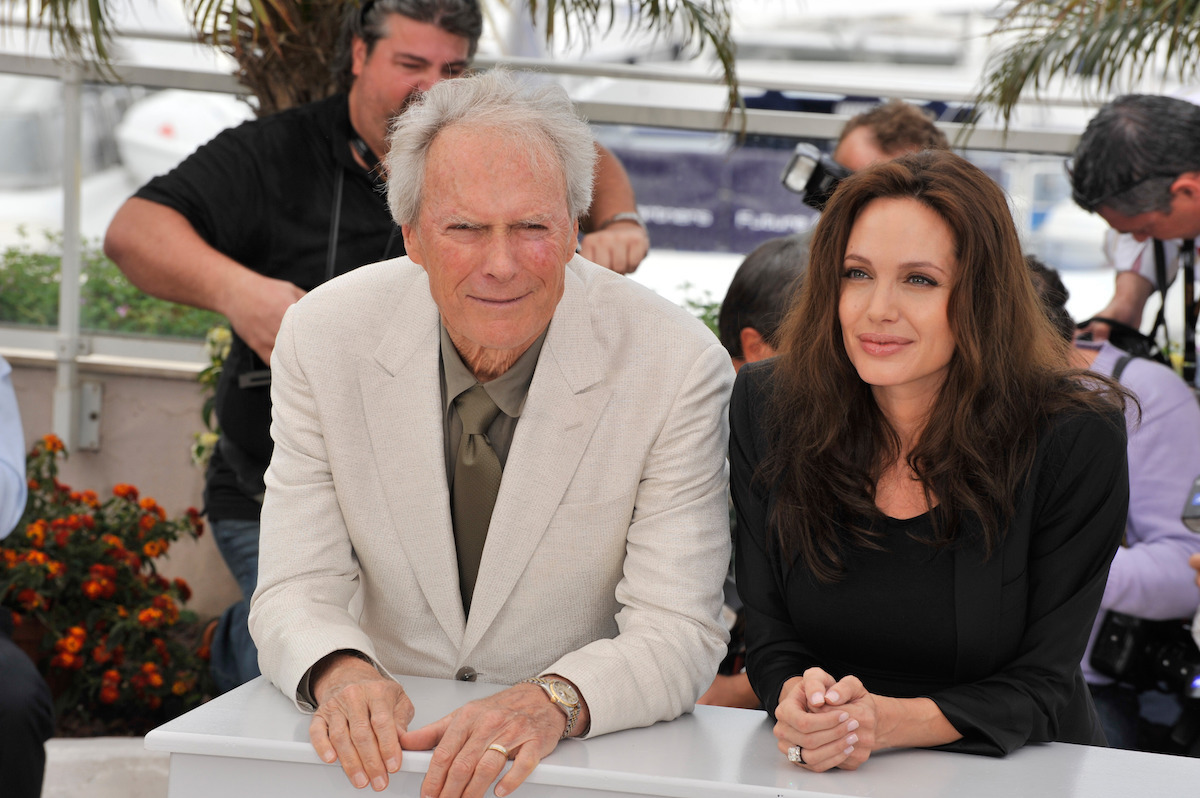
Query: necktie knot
476	410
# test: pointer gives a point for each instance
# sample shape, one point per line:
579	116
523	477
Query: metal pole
68	345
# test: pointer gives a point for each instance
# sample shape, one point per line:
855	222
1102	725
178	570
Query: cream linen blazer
610	536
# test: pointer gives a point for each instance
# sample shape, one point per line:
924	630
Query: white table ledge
252	741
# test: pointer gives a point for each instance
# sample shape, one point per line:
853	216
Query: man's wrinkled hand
520	719
359	719
620	246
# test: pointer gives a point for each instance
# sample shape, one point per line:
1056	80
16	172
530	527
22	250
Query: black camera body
1159	655
813	174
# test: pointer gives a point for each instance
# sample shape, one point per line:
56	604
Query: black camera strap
1187	256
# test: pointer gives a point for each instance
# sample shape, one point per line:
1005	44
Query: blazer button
466	674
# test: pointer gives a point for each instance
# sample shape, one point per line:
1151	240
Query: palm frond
695	25
1098	45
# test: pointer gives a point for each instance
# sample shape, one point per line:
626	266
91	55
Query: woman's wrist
911	723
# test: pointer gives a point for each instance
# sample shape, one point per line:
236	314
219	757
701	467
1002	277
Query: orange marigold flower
161	647
147	522
153	701
155	679
36	532
101	655
109	694
52	443
150	617
36	558
10	557
32	484
30	599
77	631
62	537
90	498
88	521
93	588
102	571
197	523
122	612
112	540
180	687
125	491
185	591
54	568
72	644
111	676
149	667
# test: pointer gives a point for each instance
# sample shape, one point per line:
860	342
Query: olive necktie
476	482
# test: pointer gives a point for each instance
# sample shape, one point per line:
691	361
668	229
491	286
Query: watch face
565	693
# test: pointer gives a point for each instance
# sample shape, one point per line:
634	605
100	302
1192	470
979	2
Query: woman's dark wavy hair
1007	376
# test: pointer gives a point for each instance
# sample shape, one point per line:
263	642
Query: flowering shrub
84	570
216	345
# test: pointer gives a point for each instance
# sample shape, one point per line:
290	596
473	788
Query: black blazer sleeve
1070	519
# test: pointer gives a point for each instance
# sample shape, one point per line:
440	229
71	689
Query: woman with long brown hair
928	496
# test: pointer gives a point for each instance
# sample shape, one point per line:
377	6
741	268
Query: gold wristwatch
564	696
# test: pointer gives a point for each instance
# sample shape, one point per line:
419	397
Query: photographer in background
886	132
26	709
1149	578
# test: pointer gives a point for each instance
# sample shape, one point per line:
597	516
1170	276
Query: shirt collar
508	391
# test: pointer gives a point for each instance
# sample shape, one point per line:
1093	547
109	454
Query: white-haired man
572	531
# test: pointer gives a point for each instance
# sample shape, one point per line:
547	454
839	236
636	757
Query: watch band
624	216
568	709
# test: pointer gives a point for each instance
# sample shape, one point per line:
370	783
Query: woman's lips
881	345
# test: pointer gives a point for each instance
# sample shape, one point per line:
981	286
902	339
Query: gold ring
499	748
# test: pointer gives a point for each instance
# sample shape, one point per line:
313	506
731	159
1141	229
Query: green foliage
29	282
704	307
1103	45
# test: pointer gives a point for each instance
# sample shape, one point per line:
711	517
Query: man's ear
412	244
754	346
1187	186
358	55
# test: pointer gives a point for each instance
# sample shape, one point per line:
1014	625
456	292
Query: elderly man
1138	166
277	206
509	457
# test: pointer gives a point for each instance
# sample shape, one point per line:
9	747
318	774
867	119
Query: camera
1148	654
813	174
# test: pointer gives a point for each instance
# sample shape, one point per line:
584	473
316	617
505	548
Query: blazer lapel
402	405
558	420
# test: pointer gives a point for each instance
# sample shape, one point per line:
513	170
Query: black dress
995	643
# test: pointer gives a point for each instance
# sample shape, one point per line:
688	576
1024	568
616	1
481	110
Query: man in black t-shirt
269	210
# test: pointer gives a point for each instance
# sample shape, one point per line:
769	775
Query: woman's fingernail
852	725
380	784
849	750
501	792
360	780
818	698
831	695
392	765
851	740
845	716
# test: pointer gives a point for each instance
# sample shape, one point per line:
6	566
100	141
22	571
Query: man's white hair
539	118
